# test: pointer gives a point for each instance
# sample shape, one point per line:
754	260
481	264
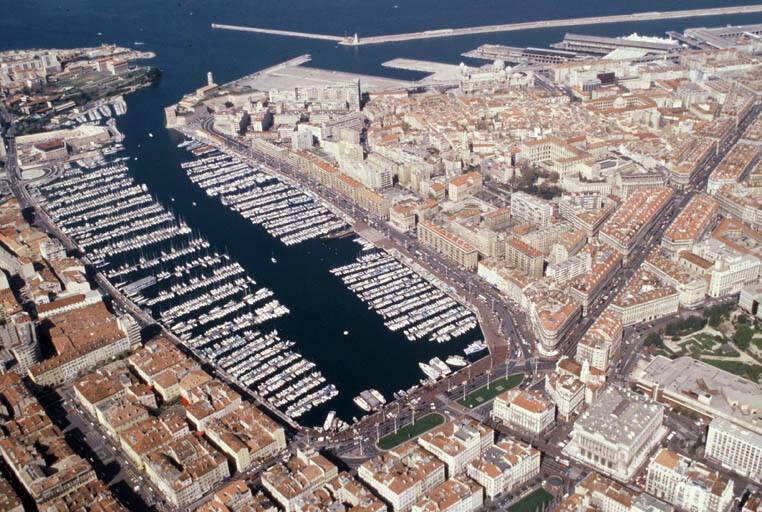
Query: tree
742	319
654	340
742	337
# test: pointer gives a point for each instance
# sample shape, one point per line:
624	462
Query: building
448	244
596	493
246	435
524	410
185	469
19	341
731	270
617	433
403	475
735	447
602	264
524	257
687	484
742	201
464	186
402	216
553	313
697	387
505	466
530	209
567	391
457	494
691	286
82	338
342	493
457	443
691	224
644	298
303	473
733	167
751	298
630	223
601	345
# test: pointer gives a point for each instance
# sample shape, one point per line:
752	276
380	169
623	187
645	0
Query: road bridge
507	27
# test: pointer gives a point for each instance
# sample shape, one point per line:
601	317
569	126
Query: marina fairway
411	431
487	393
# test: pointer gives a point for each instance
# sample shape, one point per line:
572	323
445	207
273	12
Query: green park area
411	431
723	337
534	502
487	393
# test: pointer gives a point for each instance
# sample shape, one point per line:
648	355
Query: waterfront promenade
355	40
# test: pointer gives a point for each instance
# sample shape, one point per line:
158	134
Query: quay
355	40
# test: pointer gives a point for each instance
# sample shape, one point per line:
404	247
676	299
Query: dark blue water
179	33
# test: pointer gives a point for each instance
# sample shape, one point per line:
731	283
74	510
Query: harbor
216	307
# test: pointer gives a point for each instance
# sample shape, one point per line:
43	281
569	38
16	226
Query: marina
288	214
407	301
204	297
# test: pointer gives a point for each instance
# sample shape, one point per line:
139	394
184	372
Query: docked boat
378	396
457	361
475	347
429	371
328	423
361	403
440	365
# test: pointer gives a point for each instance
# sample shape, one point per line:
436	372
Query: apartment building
403	475
736	448
524	257
691	224
449	245
630	223
341	493
644	298
185	469
464	186
691	286
458	494
601	345
505	466
742	201
566	391
304	472
457	443
688	484
733	167
246	435
530	209
526	410
597	493
731	269
553	312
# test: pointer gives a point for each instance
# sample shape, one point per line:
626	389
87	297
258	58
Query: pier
274	32
507	27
